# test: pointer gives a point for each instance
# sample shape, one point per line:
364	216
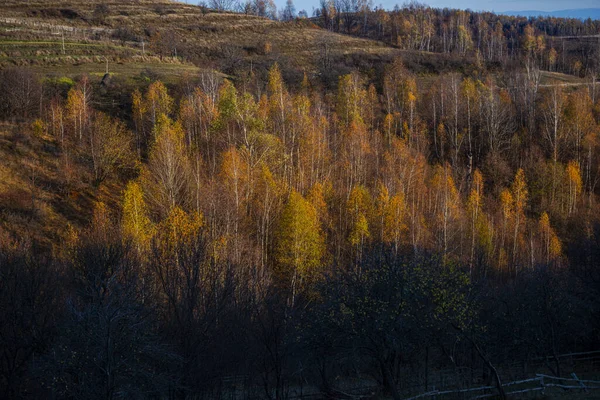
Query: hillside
366	204
39	200
138	41
141	41
159	35
63	41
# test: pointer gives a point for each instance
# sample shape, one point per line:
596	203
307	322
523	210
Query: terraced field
169	37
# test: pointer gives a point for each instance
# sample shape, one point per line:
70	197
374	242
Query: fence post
580	383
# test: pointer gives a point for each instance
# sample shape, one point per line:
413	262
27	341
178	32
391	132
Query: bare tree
106	347
20	93
223	5
29	303
289	12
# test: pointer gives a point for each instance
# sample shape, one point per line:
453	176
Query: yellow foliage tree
278	103
575	185
447	206
359	208
520	196
551	243
300	244
351	94
139	111
529	39
392	213
109	146
165	178
178	241
356	148
136	223
76	111
235	174
227	107
157	102
478	224
317	197
180	228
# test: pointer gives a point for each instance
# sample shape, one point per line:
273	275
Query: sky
476	5
510	5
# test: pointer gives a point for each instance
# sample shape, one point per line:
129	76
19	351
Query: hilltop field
170	40
167	37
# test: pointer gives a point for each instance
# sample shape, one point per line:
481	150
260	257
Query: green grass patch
167	72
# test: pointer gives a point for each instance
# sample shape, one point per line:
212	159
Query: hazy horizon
485	5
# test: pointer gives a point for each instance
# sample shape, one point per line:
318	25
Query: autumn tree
469	92
529	41
578	122
78	109
446	207
479	235
20	93
300	245
551	245
165	178
314	152
267	200
391	214
359	208
279	106
157	102
554	132
350	98
465	42
520	198
235	175
355	153
136	223
497	116
110	146
138	110
575	184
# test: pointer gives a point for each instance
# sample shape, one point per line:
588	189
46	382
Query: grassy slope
31	34
37	198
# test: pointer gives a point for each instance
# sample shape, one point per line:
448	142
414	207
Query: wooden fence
539	383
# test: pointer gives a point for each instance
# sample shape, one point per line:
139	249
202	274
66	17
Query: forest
270	231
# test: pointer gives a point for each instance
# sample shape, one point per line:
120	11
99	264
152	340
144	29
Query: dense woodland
558	44
493	38
271	238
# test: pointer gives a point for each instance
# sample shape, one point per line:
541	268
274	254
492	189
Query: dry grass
556	77
36	200
171	72
31	34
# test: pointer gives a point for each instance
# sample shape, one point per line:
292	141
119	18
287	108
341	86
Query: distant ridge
581	13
